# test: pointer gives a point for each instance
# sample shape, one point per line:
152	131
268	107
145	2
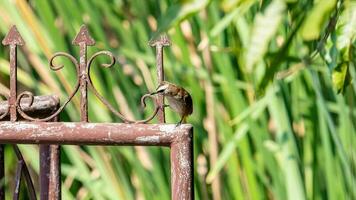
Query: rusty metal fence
30	119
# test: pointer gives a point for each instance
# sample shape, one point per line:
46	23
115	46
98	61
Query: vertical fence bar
50	180
83	39
182	174
181	147
26	173
159	43
12	39
2	172
50	175
160	77
45	160
13	82
83	83
55	190
18	180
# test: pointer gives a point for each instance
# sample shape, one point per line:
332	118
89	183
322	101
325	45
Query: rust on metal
2	172
50	175
36	105
54	190
159	43
44	105
44	170
29	95
178	138
182	174
41	126
83	39
12	39
18	180
25	173
90	133
41	105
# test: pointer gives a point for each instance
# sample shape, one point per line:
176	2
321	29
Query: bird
179	99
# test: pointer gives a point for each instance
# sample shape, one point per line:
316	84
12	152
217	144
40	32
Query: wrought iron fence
30	119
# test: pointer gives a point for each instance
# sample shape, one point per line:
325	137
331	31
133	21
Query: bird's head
163	88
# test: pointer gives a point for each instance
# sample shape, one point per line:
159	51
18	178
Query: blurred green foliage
272	83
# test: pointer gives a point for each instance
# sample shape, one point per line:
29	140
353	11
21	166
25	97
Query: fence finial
161	40
13	37
83	36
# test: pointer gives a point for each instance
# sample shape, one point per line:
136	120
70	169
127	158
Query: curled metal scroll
90	84
8	107
103	100
31	96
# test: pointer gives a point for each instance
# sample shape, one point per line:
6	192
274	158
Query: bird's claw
164	106
178	124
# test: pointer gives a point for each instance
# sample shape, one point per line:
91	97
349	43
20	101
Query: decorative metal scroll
83	40
16	103
28	107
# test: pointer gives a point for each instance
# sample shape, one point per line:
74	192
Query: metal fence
30	119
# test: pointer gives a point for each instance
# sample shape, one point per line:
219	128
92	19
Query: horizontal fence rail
179	139
30	119
92	133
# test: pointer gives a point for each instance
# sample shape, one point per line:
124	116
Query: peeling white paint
109	135
70	125
183	162
141	129
154	139
169	128
88	125
18	126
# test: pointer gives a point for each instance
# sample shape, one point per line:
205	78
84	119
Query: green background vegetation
274	101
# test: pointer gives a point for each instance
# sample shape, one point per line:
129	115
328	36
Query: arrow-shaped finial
83	37
162	40
13	37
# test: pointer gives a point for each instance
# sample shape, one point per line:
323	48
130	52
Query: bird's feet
178	124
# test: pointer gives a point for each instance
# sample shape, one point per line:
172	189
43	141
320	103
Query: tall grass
274	114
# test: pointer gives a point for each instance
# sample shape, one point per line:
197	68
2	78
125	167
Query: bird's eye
160	91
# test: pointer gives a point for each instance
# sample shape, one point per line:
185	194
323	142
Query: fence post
182	174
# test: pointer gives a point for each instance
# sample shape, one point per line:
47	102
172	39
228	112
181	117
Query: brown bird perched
178	99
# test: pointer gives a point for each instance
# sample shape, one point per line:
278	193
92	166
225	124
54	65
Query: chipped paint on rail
151	139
